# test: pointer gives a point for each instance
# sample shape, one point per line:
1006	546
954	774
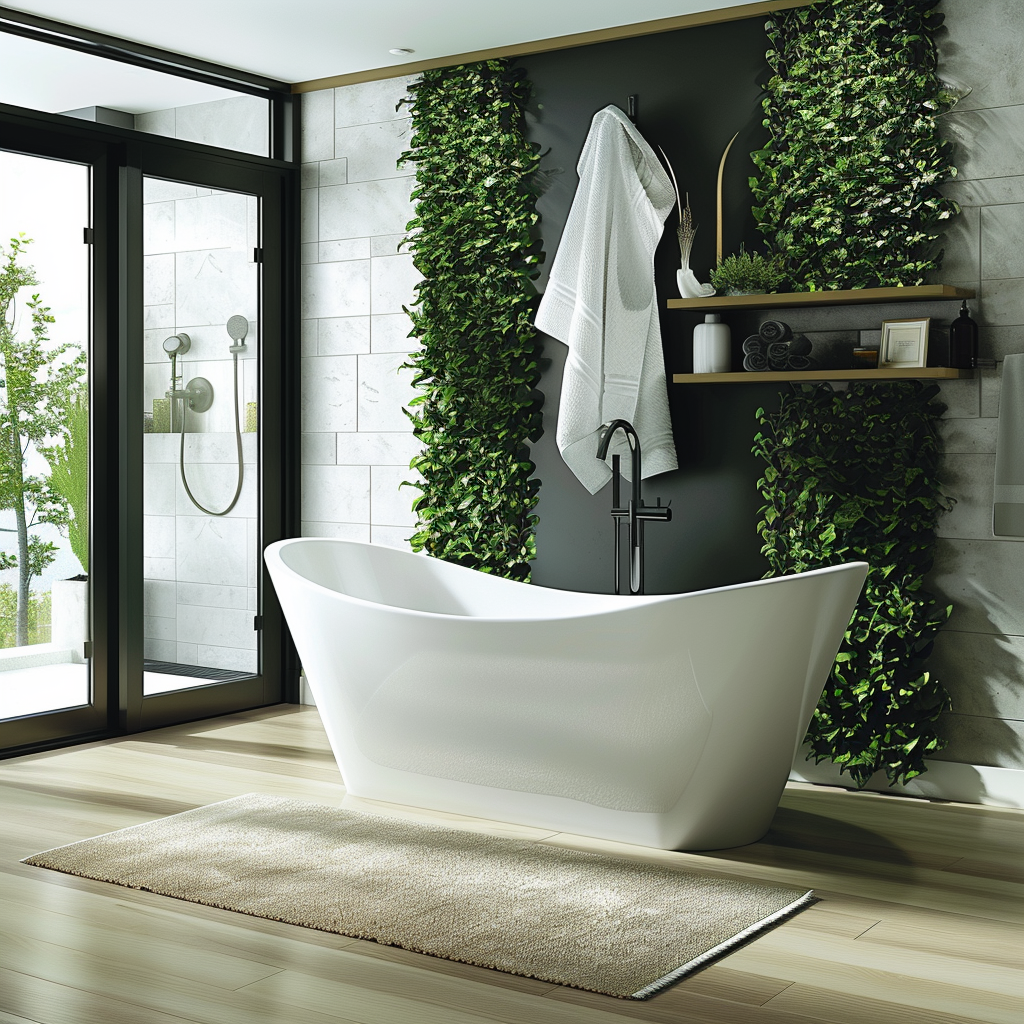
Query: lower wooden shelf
809	376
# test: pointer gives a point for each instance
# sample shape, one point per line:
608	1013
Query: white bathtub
668	721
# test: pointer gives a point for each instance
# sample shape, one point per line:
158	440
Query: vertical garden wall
477	369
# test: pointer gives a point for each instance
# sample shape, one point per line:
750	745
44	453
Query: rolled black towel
800	363
800	346
775	330
753	344
755	361
778	355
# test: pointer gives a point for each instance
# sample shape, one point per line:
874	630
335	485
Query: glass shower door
201	529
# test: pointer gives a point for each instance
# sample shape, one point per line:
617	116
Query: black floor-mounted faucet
635	512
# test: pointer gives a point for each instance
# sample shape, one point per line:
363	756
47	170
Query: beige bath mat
609	925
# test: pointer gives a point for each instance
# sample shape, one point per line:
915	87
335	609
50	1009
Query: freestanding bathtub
667	721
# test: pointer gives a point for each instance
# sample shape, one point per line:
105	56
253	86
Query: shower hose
238	446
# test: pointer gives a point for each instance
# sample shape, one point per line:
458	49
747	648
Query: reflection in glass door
44	438
201	425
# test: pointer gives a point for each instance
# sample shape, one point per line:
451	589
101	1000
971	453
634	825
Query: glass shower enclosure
201	514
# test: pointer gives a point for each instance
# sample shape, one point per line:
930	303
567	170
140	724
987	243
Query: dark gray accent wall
696	88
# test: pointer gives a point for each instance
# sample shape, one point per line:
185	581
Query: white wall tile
158	280
158	568
213	486
336	289
334	172
214	285
390	502
384	391
309	215
339	531
212	596
159	317
220	627
239	123
187	654
393	280
158	536
156	190
159	650
392	536
367	102
158	628
228	658
377	448
217	221
329	400
343	249
158	598
211	550
348	335
365	208
388	245
318	125
309	175
336	494
308	337
158	483
373	150
158	228
309	252
319	449
390	333
160	448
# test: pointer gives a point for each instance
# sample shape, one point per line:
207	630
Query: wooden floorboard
920	919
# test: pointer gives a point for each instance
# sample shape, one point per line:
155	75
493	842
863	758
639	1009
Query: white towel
1008	493
600	300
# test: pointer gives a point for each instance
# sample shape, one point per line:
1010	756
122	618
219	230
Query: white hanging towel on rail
600	300
1008	494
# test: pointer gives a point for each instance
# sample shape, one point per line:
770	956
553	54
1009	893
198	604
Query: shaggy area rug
610	925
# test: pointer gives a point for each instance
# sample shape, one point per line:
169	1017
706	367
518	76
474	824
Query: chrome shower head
238	328
177	345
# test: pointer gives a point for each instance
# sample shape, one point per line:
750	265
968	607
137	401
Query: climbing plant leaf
847	189
852	475
478	367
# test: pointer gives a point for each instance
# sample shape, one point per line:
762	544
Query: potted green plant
748	273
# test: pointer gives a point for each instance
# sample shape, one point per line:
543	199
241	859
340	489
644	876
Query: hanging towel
600	300
1008	494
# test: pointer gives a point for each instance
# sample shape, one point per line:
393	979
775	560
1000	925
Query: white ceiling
299	40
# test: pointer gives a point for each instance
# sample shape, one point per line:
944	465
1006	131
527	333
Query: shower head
238	328
177	344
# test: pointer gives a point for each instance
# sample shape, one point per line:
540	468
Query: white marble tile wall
239	123
980	655
200	571
356	440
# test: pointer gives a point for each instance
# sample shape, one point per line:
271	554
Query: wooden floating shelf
911	293
810	376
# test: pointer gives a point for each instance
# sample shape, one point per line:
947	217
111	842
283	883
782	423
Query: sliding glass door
46	339
201	524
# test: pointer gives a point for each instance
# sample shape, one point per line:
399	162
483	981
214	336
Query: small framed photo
904	344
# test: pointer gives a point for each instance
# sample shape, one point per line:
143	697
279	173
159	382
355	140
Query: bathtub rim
274	549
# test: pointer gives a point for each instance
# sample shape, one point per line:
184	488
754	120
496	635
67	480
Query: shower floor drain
215	675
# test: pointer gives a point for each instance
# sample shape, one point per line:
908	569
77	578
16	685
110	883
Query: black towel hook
631	107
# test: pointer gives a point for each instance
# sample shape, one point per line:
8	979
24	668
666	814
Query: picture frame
904	344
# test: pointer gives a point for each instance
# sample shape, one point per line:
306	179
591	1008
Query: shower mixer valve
199	393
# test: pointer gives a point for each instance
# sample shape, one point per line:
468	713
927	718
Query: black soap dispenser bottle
963	340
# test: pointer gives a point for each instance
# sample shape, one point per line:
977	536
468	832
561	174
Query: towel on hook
1008	493
601	301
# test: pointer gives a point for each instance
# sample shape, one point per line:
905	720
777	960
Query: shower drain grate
218	675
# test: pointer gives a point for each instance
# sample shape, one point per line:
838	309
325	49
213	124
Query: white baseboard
944	780
305	694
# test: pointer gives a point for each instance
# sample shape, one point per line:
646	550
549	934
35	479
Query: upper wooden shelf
910	293
808	376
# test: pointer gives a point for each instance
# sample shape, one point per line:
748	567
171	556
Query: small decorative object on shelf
711	344
904	343
865	358
686	279
963	340
747	273
775	347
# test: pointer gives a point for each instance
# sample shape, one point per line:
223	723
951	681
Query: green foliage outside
38	617
37	382
852	476
69	474
848	185
748	272
477	369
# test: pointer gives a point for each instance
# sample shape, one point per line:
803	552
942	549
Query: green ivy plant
478	367
848	184
851	475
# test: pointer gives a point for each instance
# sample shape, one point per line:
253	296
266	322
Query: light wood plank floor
920	919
